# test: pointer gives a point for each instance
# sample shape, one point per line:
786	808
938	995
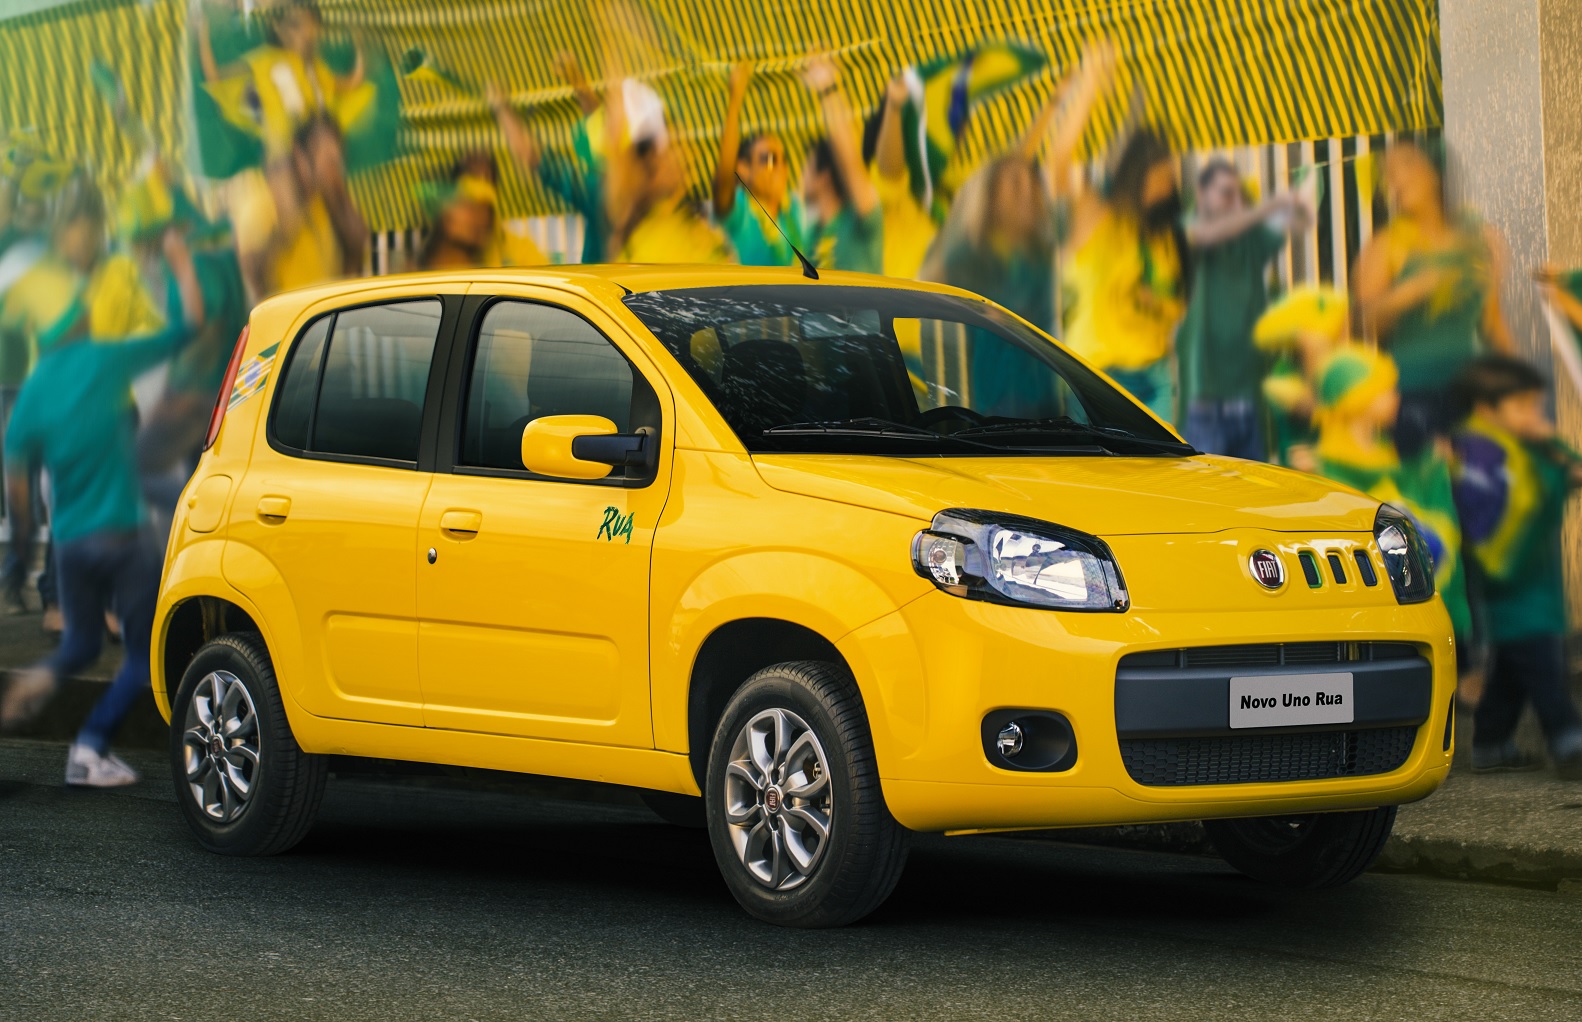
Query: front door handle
273	510
461	524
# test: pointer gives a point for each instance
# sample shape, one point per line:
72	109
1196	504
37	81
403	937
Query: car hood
1099	495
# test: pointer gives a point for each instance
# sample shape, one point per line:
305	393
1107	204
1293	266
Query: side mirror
581	447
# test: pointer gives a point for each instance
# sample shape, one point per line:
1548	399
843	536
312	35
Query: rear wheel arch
191	625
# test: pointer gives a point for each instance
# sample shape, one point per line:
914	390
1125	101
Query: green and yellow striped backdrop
1209	72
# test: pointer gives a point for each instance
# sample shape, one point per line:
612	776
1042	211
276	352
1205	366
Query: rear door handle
461	524
274	509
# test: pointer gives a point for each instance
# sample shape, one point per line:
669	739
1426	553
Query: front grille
1249	759
1269	654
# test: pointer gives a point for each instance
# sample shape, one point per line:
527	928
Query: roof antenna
807	264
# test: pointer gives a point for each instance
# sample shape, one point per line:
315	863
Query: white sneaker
86	768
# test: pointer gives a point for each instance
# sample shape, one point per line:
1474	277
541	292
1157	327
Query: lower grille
1249	759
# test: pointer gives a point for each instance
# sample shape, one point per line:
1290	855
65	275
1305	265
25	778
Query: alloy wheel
779	805
220	746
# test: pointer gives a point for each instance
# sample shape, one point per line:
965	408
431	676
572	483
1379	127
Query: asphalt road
417	902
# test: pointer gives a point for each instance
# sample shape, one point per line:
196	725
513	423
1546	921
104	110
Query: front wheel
795	813
1309	852
243	783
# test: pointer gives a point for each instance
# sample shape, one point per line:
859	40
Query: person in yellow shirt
1124	272
286	83
651	218
297	225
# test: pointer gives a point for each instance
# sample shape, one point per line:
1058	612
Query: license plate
1291	699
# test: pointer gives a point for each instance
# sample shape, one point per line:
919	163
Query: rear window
354	383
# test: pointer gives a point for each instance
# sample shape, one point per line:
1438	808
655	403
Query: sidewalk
1513	828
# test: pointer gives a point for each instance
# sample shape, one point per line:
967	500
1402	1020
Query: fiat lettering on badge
1291	700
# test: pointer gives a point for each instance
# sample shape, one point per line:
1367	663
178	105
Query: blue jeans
121	570
1528	670
1151	385
1233	428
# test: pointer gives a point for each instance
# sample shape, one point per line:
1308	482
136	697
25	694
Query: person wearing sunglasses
753	203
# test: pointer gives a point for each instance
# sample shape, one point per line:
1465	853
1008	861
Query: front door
326	516
533	592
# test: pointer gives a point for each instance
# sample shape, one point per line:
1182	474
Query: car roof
604	282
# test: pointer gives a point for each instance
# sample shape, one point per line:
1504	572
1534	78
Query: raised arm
570	72
1065	117
1208	233
823	78
730	142
890	152
521	143
200	21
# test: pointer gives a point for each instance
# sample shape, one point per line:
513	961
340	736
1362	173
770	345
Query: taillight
223	399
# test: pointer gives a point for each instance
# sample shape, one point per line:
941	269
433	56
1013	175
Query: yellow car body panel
384	652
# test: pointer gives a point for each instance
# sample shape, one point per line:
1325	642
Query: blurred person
170	438
71	417
1428	287
1001	238
909	226
577	177
287	82
298	225
23	243
77	278
752	200
1221	370
464	222
651	217
1300	330
1125	272
846	224
1513	478
1358	401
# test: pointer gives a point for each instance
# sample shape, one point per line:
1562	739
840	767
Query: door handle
273	510
461	524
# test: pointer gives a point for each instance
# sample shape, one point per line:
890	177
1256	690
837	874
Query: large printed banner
1207	72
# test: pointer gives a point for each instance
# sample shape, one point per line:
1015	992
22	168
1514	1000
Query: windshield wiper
869	426
1065	424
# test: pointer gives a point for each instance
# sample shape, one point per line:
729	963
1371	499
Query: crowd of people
1431	412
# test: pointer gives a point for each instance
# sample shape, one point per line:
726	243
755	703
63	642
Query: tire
786	873
1304	852
260	795
677	810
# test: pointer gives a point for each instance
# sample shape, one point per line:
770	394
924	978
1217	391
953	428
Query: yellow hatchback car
846	557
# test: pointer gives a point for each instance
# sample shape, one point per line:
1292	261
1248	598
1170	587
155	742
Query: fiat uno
814	563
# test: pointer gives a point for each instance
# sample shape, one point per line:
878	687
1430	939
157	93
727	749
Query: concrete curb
1451	834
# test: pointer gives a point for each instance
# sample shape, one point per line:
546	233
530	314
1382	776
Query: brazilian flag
944	93
233	116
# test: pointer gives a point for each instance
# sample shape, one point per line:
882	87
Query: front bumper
941	664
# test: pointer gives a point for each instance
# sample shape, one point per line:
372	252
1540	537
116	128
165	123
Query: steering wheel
949	413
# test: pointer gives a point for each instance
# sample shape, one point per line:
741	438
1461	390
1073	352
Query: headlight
1406	557
1008	559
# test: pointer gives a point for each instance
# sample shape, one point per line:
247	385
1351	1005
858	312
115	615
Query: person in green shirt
1427	285
847	224
1221	371
1512	481
71	417
752	202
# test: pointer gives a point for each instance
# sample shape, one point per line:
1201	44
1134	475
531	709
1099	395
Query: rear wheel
1310	852
243	783
795	812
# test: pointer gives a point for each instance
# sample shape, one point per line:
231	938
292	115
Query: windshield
821	368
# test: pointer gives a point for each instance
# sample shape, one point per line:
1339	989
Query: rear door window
355	382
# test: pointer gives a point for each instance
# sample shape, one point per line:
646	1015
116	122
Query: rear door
325	519
532	591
